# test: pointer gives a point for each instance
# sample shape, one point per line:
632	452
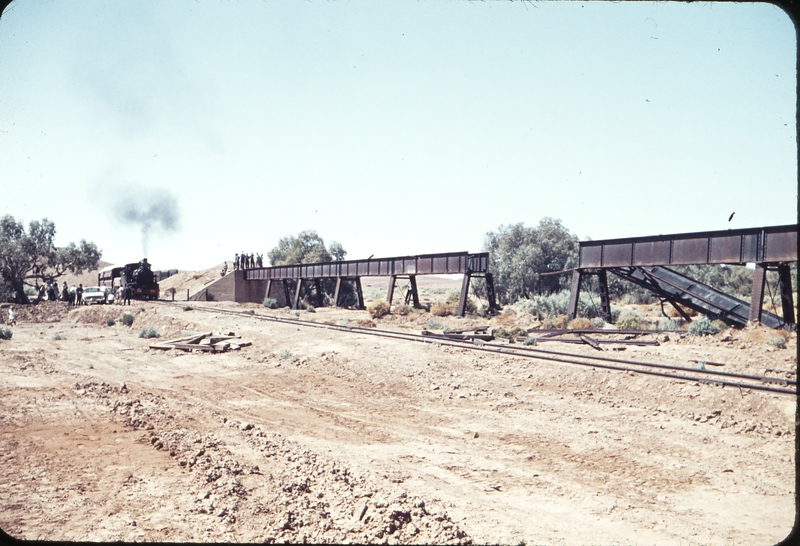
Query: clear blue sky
394	128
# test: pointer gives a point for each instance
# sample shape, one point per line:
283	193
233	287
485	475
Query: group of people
73	296
248	261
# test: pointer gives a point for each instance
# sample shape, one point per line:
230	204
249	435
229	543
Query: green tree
337	251
305	248
32	259
518	255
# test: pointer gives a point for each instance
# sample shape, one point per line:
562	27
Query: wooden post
287	293
318	287
785	278
462	302
296	300
359	293
757	295
392	279
605	304
412	279
575	287
490	291
336	292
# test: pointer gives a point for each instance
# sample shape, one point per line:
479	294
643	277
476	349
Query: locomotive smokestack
150	210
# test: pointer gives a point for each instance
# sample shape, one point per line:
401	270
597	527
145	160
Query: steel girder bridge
290	283
644	260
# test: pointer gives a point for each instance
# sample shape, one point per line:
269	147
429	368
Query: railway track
779	385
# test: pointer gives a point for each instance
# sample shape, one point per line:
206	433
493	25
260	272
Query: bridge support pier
785	276
575	288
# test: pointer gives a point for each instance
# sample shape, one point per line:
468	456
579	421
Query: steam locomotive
138	275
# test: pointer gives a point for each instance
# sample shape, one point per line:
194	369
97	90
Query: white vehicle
94	294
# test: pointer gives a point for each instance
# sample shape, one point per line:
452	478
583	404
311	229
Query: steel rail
530	352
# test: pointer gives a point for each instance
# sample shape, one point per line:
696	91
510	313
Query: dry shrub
558	322
454	298
580	323
673	313
507	318
761	333
365	324
403	310
441	310
378	308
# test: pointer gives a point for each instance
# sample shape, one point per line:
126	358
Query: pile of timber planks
479	333
204	341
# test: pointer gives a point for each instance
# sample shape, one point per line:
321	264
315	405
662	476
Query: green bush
111	322
514	332
378	308
665	323
59	337
6	333
553	305
631	321
127	319
270	303
702	327
720	324
148	332
598	323
286	353
637	297
310	309
777	341
403	310
434	325
529	341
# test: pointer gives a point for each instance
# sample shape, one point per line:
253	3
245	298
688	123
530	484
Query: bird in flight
731	216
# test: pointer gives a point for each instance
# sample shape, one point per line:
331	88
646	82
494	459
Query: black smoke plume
150	210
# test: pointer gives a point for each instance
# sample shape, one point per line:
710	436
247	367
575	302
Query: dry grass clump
673	313
365	324
558	322
580	323
378	308
453	298
761	334
402	310
440	309
507	318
